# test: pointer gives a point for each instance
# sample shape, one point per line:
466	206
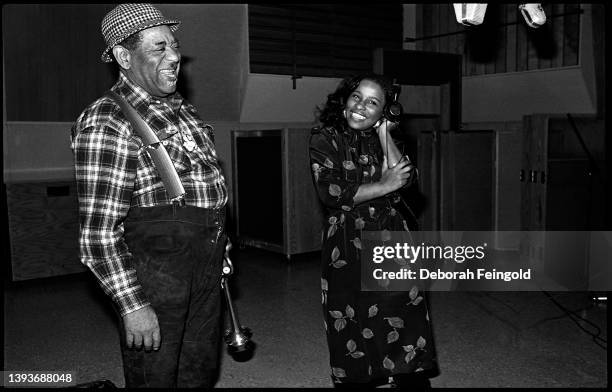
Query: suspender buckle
178	201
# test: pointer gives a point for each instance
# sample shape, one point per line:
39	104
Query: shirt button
165	142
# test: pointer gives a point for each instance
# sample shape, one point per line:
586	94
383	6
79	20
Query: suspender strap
155	149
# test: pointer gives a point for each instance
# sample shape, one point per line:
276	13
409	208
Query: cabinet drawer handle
533	175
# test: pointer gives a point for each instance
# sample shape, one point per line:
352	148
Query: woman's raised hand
393	178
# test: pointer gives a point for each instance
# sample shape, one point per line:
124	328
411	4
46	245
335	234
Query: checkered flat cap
127	19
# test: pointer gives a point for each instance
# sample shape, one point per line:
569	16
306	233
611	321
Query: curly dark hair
330	114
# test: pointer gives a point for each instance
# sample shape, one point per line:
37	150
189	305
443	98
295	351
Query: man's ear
122	56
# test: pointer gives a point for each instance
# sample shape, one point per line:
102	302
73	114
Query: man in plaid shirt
158	259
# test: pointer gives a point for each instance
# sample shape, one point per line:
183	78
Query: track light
470	14
534	14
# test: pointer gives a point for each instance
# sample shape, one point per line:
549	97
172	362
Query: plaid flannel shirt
114	173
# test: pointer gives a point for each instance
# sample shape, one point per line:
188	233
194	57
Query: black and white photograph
306	195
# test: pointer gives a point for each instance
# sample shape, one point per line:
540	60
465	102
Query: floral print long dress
370	334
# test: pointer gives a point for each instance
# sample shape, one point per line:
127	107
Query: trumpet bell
239	344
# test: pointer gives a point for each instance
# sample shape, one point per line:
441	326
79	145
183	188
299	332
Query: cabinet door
276	207
533	172
303	212
457	178
44	229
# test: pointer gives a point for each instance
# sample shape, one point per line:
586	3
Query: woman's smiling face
364	106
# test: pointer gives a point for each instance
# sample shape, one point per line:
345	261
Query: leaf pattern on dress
351	345
357	354
357	243
392	336
414	291
338	372
328	163
324	284
338	263
388	364
350	313
335	253
372	311
335	145
408	348
359	223
335	190
316	170
363	159
336	314
395	322
410	353
331	231
409	356
416	301
348	165
339	324
367	333
421	342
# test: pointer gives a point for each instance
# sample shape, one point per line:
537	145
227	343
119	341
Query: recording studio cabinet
42	207
561	196
275	203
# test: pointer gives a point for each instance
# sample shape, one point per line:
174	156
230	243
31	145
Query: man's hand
142	328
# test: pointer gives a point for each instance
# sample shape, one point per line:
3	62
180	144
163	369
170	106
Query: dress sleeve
333	181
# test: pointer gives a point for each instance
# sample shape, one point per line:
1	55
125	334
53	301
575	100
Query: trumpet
237	337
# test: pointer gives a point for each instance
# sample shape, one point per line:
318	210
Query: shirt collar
141	99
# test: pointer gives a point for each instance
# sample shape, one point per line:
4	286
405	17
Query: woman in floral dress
357	171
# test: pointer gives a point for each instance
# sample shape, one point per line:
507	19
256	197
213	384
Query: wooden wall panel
444	27
428	27
544	39
503	42
319	39
511	36
52	67
558	36
521	47
571	34
500	48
